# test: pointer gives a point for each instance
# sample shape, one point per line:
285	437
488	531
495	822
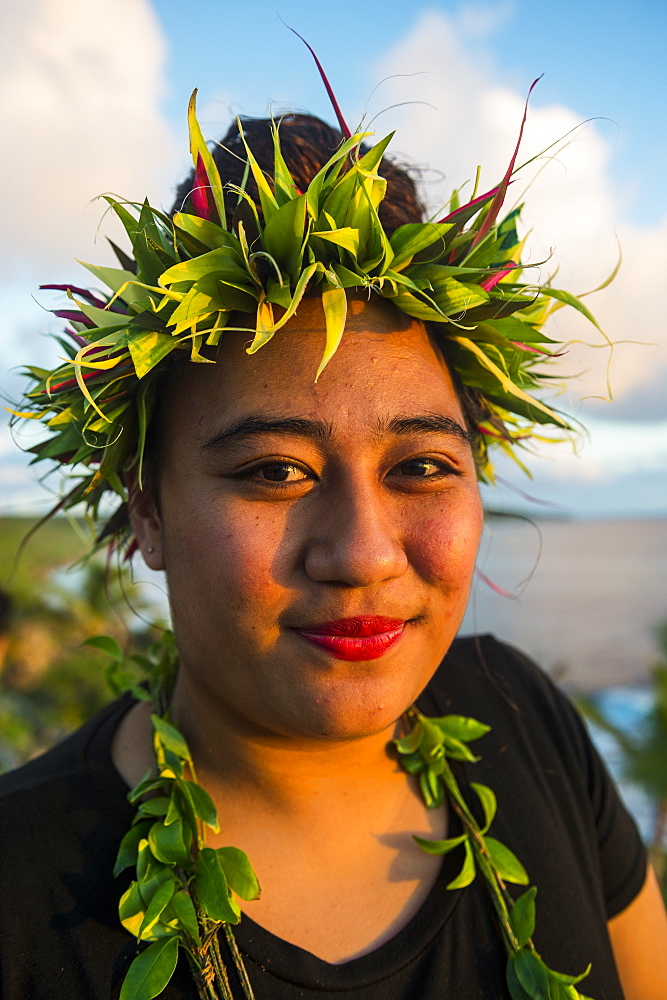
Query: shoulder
540	759
482	670
62	793
76	752
534	726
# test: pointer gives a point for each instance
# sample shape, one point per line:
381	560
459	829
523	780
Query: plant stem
220	970
239	963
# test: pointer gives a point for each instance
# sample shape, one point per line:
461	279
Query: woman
315	508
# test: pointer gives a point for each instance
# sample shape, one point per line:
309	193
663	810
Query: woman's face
294	514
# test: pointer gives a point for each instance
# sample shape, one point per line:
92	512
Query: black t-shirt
62	817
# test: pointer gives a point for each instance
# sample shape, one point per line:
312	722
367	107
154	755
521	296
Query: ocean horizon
583	598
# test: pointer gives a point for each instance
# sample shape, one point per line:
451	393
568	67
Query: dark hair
307	143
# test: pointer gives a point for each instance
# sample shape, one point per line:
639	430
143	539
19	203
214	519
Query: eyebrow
431	423
316	430
321	432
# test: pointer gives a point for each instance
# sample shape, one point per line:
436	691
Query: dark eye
421	468
280	472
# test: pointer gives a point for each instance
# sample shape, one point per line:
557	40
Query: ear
146	522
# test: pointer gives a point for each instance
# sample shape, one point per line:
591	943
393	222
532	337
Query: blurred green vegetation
645	752
49	682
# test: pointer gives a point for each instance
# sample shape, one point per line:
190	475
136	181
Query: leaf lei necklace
184	894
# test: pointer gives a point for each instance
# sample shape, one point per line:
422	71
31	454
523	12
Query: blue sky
94	92
601	60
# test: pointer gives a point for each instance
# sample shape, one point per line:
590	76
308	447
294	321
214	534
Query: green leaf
461	727
283	182
239	872
154	910
174	763
208	233
413	763
155	807
103	318
180	808
222	260
561	977
506	383
149	348
409	743
147	784
409	239
334	303
211	888
284	234
185	911
263	335
532	974
129	845
489	803
170	738
431	788
151	873
570	300
266	196
468	871
457	750
107	645
440	846
201	802
120	680
151	971
115	278
506	862
327	173
346	238
170	844
517	991
131	909
522	916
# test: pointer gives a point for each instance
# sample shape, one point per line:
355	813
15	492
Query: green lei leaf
183	892
424	751
151	971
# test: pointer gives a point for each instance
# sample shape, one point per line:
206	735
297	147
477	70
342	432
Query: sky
93	95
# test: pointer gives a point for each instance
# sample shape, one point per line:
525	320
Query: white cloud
572	208
81	83
483	18
612	449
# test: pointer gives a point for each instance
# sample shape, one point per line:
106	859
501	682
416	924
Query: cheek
222	562
444	545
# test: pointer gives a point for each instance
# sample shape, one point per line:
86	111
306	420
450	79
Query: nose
356	542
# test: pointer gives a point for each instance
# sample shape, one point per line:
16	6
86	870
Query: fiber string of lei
186	282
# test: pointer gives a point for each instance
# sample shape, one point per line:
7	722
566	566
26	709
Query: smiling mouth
363	638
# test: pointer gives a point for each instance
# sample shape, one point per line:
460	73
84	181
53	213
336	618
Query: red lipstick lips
363	638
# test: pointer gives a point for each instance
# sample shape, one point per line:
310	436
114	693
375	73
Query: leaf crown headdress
191	276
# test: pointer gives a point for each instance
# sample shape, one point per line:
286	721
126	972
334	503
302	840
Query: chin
353	711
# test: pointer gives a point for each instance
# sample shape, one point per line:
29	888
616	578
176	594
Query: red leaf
332	97
497	202
201	194
495	278
462	208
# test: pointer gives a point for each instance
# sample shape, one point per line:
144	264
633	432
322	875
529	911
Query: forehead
386	365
